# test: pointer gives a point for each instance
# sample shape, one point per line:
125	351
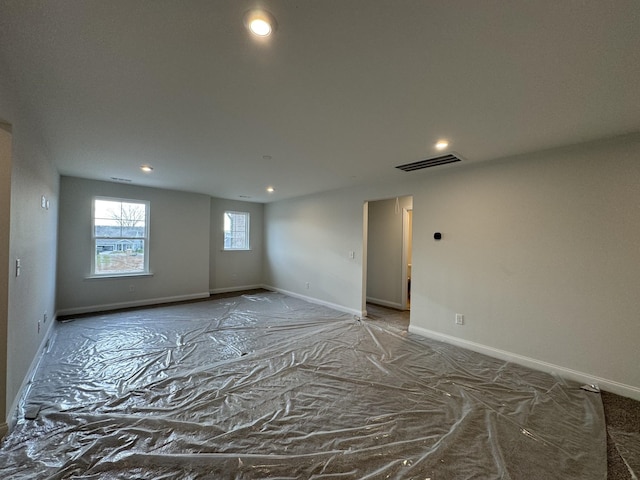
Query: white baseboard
235	289
135	303
12	415
317	301
385	303
581	377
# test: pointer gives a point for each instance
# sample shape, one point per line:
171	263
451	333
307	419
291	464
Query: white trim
12	413
386	303
365	256
317	301
404	268
235	289
581	377
119	275
136	303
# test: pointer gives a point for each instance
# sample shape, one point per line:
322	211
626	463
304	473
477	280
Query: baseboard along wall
335	306
135	303
385	303
235	289
581	377
12	414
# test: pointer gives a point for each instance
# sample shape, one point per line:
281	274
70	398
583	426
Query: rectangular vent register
430	162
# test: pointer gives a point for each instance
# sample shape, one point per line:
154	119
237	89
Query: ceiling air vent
429	162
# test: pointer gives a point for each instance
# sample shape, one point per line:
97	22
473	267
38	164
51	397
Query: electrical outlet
132	288
459	319
44	317
38	326
307	285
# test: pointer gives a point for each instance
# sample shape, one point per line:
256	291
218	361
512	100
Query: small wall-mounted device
437	236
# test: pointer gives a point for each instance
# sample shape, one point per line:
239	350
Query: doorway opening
388	252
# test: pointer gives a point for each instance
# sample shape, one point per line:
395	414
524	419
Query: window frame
247	232
144	239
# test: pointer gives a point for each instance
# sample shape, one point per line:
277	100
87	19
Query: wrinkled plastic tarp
628	446
267	386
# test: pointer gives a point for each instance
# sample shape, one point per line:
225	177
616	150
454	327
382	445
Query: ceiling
341	93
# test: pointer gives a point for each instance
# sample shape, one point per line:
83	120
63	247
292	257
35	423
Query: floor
267	386
622	414
623	436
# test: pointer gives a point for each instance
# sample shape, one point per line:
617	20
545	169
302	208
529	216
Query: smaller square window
236	230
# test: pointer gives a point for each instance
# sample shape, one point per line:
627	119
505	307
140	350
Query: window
120	233
236	231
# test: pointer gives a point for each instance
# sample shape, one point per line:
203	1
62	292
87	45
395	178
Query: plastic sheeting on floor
267	386
628	446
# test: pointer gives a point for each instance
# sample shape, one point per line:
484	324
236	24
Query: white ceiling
344	90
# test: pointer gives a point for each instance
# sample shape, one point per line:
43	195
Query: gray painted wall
384	251
539	252
5	217
32	239
178	248
308	240
238	270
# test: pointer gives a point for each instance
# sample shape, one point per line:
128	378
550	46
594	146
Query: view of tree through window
120	236
236	230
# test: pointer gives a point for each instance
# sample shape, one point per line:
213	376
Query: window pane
125	213
119	256
120	231
107	228
106	209
236	230
132	214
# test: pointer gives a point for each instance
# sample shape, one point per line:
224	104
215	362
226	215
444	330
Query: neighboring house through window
120	232
236	231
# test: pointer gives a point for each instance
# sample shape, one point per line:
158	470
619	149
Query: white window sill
236	250
120	275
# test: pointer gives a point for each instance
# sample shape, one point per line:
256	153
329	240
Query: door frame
406	237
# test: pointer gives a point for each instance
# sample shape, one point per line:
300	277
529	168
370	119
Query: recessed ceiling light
260	22
260	27
146	168
442	144
271	189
